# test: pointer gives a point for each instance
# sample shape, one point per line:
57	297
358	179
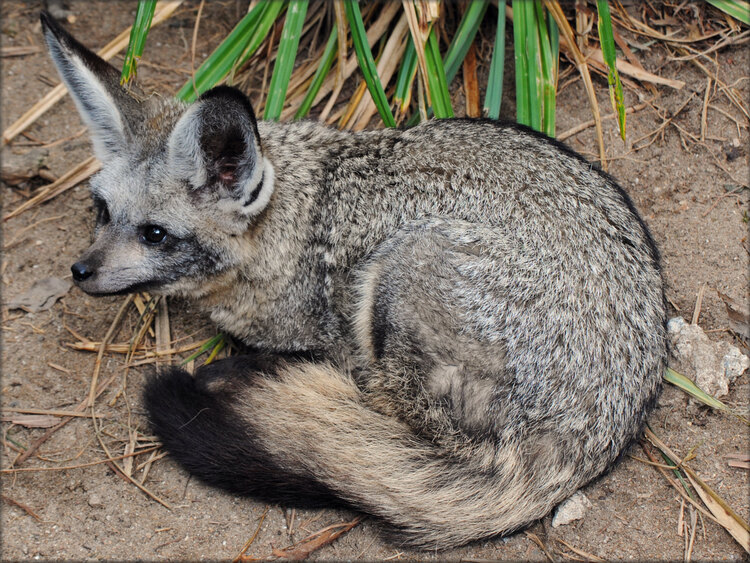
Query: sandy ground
682	189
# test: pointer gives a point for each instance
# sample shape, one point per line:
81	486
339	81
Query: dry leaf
42	295
739	317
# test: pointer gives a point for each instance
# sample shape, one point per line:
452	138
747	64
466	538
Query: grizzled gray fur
453	327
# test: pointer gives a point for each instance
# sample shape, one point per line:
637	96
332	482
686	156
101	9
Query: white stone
571	509
711	365
95	501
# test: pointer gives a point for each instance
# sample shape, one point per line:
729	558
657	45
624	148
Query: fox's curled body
457	325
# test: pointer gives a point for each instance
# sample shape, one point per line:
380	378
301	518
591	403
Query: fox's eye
154	234
102	211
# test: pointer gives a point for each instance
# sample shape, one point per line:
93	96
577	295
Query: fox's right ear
95	87
216	146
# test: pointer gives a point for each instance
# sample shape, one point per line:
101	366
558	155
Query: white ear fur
262	181
187	160
96	106
185	154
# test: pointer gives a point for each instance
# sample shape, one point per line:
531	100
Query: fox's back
477	170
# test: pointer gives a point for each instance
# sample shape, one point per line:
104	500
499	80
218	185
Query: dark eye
102	211
154	234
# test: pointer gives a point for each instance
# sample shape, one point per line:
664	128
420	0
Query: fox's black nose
81	271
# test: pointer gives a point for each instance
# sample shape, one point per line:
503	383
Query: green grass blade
207	345
689	387
141	26
547	74
441	97
607	40
554	42
366	62
271	12
464	37
326	62
221	61
494	95
282	70
220	345
533	66
406	74
523	112
738	9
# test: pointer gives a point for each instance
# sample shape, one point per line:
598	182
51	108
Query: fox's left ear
215	146
104	105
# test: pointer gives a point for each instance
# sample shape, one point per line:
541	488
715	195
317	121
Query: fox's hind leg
430	363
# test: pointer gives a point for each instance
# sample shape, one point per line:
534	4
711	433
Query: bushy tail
304	436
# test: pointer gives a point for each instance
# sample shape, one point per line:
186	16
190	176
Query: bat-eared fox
453	327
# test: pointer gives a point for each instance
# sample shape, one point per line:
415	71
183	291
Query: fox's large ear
94	84
215	146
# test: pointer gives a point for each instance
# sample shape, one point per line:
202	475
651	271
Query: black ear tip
232	95
44	17
51	25
224	91
47	20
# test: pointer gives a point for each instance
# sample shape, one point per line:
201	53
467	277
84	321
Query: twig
664	124
533	537
44	437
249	542
118	471
740	39
50	412
147	313
677	487
681	519
704	113
588	556
721	85
23	231
22	506
62	140
161	326
19	51
722	512
92	400
71	178
103	346
585	125
141	306
693	528
89	346
698	304
302	549
78	466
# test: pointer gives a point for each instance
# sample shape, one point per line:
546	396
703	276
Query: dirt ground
683	189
